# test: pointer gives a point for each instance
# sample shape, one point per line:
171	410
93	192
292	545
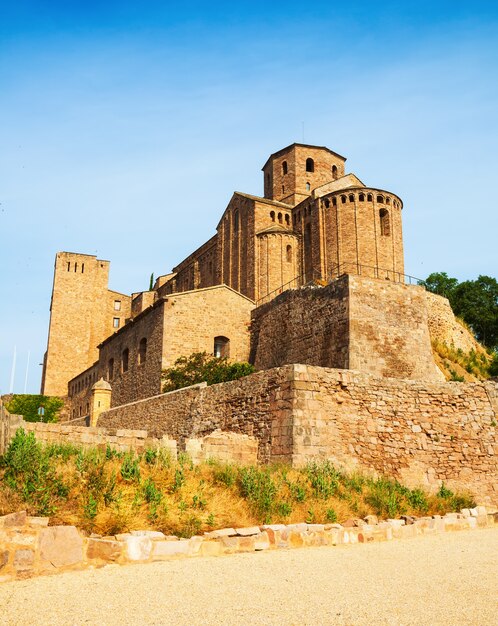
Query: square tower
291	174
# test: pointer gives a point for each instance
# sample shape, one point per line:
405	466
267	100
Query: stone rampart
445	327
421	433
375	326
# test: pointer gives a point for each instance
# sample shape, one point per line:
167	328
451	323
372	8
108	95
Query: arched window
284	167
308	186
369	197
289	253
142	350
351	197
388	200
334	202
361	197
385	226
326	203
287	219
279	218
221	347
380	199
310	165
343	199
334	172
125	356
272	216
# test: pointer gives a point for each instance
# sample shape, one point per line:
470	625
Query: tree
28	405
200	367
440	283
476	302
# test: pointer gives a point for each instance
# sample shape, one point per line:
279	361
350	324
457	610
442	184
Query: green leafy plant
30	405
200	367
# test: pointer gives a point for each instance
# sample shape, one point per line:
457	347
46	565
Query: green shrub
324	479
130	470
30	473
28	406
203	367
258	487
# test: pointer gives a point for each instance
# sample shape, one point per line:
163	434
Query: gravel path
441	579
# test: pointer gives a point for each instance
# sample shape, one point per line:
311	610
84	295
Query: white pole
27	369
13	370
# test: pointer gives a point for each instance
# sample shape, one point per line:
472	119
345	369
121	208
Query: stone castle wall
372	325
444	326
421	433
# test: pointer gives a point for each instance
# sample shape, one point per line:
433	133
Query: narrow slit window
284	167
125	356
142	351
385	226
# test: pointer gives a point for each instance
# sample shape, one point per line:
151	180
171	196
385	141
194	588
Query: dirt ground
441	579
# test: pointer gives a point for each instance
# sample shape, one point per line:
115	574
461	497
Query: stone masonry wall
388	330
420	433
445	328
303	326
372	325
256	405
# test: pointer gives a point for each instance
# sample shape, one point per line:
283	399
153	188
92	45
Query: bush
203	367
28	405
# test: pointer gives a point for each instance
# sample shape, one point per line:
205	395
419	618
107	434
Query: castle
315	225
307	283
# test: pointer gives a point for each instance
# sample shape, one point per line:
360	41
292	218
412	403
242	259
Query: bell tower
291	174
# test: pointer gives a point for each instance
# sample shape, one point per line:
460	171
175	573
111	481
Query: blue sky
125	127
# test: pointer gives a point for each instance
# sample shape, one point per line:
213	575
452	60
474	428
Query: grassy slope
107	492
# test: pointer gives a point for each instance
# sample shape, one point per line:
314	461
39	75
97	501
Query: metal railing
315	277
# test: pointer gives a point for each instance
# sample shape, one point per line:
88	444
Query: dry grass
107	492
461	366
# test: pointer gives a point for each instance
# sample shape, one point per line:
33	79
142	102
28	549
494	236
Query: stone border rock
30	547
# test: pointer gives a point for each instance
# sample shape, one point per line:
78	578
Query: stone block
104	549
13	520
262	542
167	549
38	522
211	548
222	532
4	558
23	560
250	530
61	546
155	535
138	548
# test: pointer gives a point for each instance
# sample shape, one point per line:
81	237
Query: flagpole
27	368
13	370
